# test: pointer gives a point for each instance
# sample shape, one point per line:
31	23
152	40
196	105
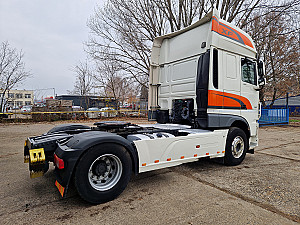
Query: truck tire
103	173
236	147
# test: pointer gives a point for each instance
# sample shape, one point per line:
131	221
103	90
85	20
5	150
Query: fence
268	116
274	117
70	115
294	110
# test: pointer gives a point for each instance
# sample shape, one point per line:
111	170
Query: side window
215	68
249	71
231	68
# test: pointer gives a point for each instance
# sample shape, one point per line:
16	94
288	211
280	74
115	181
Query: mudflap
64	177
251	151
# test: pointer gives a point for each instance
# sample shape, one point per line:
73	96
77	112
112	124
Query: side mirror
261	74
261	81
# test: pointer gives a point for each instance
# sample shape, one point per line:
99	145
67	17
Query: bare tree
12	69
84	79
112	81
122	32
277	41
127	27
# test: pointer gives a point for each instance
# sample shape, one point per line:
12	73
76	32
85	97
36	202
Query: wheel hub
99	168
105	172
237	147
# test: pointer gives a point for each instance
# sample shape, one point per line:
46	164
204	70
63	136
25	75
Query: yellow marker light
195	155
144	164
156	161
223	151
26	159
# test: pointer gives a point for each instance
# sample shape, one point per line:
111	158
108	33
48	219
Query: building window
27	95
10	103
27	103
18	103
19	95
11	95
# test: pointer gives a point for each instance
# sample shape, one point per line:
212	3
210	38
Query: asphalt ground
264	189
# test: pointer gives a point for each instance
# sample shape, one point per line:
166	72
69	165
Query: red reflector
59	162
197	146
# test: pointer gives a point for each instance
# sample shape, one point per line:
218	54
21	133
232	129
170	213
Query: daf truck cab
203	93
214	74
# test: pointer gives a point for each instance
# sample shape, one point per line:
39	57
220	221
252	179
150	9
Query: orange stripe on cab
227	100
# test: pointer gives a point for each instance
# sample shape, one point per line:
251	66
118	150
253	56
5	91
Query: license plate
36	162
36	156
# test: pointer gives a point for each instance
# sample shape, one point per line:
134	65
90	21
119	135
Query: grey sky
51	34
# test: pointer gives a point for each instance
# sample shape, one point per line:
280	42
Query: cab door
249	92
231	84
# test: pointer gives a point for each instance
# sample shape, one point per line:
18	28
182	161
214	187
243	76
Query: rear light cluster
59	163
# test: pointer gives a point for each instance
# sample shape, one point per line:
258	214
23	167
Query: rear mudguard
79	144
69	128
48	141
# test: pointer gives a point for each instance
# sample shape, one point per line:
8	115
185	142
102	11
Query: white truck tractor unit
203	93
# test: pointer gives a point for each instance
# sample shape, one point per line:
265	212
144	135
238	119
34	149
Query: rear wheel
103	173
236	146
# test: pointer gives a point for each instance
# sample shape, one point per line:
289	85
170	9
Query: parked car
108	112
134	114
77	108
78	112
8	109
93	113
26	108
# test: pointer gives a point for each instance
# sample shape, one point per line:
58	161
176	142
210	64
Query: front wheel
103	173
236	146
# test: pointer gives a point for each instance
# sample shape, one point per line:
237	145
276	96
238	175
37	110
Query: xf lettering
226	32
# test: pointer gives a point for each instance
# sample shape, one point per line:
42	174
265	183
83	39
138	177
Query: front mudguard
79	144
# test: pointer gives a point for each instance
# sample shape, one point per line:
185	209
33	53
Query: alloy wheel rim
237	147
105	172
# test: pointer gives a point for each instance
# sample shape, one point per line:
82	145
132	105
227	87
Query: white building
18	98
